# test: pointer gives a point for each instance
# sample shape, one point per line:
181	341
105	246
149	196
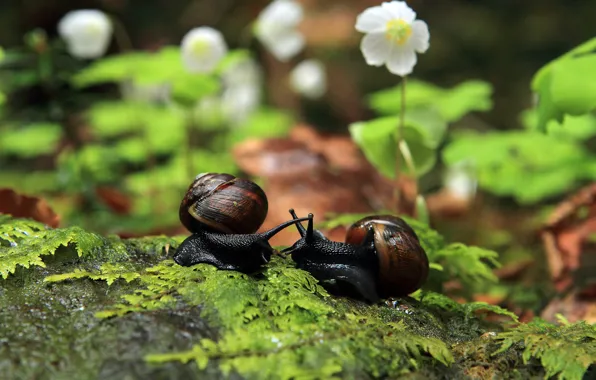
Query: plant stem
398	140
190	170
409	160
121	35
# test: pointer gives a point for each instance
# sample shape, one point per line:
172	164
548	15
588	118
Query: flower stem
121	35
404	149
398	140
190	170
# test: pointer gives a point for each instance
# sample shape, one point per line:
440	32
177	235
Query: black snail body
223	213
381	258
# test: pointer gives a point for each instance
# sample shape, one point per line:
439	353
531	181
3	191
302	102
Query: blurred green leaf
165	130
527	165
188	88
109	119
31	140
133	150
34	182
451	104
376	138
585	48
566	85
263	123
573	127
157	129
116	68
92	164
573	85
233	57
423	132
20	79
145	68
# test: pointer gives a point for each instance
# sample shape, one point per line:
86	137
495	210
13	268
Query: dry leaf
24	206
566	238
116	200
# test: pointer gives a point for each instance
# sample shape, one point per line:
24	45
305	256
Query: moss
122	309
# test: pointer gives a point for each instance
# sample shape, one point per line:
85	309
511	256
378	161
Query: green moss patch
74	303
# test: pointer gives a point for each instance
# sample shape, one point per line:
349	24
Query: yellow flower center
398	31
93	29
199	48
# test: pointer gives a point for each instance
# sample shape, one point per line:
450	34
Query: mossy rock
74	304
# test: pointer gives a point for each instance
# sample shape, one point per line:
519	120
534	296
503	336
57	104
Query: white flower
308	78
460	181
208	111
239	103
150	93
243	72
276	28
202	49
393	36
87	33
242	90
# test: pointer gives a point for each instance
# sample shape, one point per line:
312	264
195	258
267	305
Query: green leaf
31	140
263	123
112	69
93	162
571	89
110	119
451	104
585	48
143	68
376	138
564	85
149	121
189	88
34	182
502	158
573	127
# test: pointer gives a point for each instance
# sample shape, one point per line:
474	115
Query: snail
381	258
223	213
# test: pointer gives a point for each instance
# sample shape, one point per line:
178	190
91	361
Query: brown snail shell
223	203
403	264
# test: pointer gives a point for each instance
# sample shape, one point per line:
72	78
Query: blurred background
97	157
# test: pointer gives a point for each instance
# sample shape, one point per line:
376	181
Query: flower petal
287	13
375	48
285	45
372	20
202	48
420	36
87	33
308	78
399	10
401	61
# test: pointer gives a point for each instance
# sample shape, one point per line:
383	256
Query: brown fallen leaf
114	199
573	306
320	173
571	254
566	238
445	205
24	206
276	157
